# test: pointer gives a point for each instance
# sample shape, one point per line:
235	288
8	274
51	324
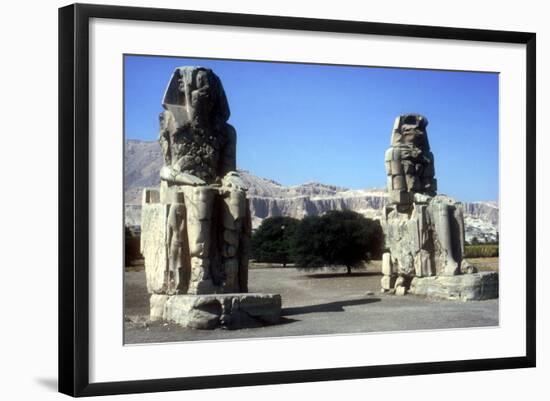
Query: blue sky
302	122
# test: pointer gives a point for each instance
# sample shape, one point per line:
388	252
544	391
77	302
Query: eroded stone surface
153	245
409	161
464	287
156	305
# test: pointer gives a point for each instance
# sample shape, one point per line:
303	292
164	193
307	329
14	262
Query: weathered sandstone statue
424	231
196	228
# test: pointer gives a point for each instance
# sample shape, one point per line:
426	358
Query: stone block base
464	287
232	311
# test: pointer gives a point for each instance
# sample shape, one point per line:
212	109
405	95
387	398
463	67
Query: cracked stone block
209	311
386	264
400	290
153	245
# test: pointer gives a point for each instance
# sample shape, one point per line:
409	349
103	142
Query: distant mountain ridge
268	198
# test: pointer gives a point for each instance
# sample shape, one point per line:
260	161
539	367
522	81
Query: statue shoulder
231	131
230	134
168	125
166	120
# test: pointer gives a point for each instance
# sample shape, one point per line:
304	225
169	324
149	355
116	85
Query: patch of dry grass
485	264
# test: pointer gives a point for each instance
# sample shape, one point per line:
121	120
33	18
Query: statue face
197	94
181	84
202	79
413	131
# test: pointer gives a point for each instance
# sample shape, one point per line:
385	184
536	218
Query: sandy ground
316	302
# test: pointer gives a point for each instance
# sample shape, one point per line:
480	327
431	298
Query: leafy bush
272	241
334	239
308	242
337	238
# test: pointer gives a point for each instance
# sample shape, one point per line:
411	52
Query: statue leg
465	266
199	202
388	279
444	235
244	248
458	223
177	275
234	214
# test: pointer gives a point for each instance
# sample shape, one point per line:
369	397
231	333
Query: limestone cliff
268	198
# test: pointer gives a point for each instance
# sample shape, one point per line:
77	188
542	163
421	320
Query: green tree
271	242
308	242
337	238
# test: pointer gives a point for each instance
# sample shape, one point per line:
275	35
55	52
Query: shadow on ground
327	307
341	275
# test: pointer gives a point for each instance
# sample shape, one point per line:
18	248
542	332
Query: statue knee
198	250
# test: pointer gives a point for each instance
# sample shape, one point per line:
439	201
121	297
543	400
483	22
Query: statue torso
197	151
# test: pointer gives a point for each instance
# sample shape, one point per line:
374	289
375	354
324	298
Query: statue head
410	130
196	93
409	161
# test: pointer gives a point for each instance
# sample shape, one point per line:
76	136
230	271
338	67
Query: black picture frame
74	198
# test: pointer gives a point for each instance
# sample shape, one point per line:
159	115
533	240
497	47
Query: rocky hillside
269	198
142	163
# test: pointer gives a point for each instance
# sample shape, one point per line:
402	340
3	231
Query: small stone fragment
400	290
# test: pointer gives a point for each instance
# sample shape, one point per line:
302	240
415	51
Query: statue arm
172	176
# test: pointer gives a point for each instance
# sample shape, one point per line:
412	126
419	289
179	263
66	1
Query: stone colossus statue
207	215
424	231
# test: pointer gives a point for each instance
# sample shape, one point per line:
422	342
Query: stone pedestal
231	311
464	287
